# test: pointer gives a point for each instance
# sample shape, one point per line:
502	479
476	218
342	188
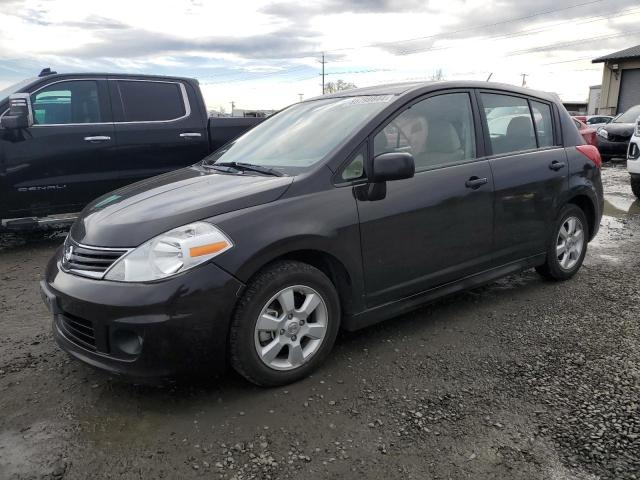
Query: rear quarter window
146	101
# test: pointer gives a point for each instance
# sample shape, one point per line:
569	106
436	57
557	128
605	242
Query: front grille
89	261
78	330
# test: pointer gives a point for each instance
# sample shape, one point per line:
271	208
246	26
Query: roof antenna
45	72
489	77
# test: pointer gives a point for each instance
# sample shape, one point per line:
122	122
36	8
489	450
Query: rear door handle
556	165
475	182
98	138
190	135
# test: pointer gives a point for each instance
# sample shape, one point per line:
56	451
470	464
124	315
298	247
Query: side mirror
392	166
20	114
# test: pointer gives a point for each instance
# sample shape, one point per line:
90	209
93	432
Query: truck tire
285	324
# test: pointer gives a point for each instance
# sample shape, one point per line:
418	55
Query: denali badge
41	188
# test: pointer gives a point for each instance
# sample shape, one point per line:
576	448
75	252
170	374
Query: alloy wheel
291	327
570	243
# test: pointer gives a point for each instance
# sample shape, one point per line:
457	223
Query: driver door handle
475	182
556	165
98	138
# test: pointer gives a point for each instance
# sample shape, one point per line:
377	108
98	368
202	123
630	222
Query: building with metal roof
620	81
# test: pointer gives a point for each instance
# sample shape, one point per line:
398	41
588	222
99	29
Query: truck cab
68	138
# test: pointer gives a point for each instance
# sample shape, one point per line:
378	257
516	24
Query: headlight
603	133
170	253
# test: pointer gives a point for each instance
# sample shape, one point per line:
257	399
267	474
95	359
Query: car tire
270	317
566	247
635	186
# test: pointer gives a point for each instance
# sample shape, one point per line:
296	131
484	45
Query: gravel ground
520	379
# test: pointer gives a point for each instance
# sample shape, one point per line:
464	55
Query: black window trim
478	129
337	179
183	91
557	140
98	80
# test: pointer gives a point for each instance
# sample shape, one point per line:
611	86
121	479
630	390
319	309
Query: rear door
437	226
61	162
529	168
159	127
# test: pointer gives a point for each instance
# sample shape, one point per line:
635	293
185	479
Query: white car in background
633	159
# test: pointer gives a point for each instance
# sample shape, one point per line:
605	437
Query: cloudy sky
264	54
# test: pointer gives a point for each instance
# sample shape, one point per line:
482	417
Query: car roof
411	88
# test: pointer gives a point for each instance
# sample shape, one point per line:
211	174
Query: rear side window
509	122
437	131
544	125
69	102
144	101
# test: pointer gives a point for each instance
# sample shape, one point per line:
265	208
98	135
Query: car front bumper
609	149
144	331
633	157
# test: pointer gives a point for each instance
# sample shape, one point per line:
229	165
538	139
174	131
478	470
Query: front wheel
567	245
285	324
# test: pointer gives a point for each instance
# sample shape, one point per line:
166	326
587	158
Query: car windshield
301	135
5	92
630	116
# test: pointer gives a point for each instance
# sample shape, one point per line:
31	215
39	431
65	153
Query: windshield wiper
250	167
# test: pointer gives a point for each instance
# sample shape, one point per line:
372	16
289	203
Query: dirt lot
520	379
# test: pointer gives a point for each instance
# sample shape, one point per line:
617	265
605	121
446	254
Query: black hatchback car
337	212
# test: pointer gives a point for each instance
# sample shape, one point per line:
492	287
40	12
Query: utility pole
233	106
322	62
524	79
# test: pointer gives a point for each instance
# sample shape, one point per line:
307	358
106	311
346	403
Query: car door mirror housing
392	166
20	114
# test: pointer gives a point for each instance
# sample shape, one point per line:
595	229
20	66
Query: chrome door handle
475	182
98	138
190	135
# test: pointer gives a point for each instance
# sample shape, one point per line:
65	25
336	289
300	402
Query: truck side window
147	101
60	103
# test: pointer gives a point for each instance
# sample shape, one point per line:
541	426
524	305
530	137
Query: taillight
591	153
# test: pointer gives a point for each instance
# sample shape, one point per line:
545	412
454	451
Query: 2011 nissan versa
337	212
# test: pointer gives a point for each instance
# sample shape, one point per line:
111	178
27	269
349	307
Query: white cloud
262	54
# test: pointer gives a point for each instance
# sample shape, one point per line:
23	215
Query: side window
436	131
509	122
144	101
544	125
355	169
75	101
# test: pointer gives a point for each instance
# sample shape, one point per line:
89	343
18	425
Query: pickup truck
68	138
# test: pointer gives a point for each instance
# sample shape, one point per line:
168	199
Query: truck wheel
285	324
635	185
567	245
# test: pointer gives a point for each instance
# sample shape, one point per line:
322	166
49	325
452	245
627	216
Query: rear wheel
635	185
567	245
285	324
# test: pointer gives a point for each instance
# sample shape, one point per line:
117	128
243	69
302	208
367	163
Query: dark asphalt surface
520	379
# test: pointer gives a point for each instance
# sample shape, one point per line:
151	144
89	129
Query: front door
437	226
530	173
61	162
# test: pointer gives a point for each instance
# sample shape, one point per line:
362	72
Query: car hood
132	215
621	129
